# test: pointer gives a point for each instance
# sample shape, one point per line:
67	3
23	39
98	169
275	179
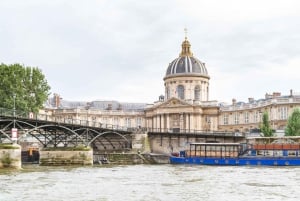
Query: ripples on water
150	183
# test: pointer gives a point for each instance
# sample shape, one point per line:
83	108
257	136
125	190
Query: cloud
121	49
235	11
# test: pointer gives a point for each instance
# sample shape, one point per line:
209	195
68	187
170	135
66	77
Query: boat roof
275	137
217	144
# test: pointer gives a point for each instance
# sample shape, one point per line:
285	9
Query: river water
150	183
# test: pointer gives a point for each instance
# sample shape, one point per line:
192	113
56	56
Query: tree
26	87
293	124
265	126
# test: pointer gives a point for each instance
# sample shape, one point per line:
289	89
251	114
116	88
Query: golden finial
186	51
185	33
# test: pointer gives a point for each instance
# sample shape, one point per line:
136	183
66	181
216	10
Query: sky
120	50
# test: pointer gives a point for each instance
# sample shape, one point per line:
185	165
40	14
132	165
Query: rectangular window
128	122
116	121
138	122
283	112
225	119
246	117
105	120
256	118
236	118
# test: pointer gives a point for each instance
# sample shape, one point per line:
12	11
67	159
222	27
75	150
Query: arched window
197	92
180	91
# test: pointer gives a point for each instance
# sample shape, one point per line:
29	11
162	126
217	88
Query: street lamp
14	110
14	130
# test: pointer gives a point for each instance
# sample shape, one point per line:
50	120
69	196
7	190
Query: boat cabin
220	150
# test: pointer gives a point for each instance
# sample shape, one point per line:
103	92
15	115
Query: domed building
187	77
185	106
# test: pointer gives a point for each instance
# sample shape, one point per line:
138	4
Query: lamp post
14	96
14	130
14	109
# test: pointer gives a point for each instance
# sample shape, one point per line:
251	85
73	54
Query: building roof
186	63
97	104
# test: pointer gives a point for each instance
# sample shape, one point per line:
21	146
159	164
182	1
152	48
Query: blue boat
237	154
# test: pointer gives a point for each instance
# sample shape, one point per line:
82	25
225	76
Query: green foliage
8	146
293	124
265	126
27	84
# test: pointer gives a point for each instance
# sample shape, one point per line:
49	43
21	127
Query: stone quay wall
174	144
61	158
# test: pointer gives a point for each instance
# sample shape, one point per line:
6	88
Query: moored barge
238	154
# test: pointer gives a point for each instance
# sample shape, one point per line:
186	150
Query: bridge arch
107	132
5	135
48	126
11	123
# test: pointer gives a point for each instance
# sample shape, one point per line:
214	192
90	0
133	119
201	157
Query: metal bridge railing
191	131
44	117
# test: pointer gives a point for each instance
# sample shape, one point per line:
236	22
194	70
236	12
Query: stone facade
95	117
185	107
245	117
175	115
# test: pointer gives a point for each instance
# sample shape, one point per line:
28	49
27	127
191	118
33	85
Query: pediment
173	102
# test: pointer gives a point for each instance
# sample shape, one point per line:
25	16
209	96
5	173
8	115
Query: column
192	128
187	122
158	123
181	122
154	123
162	123
168	122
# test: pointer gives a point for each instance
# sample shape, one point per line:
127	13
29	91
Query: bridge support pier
10	156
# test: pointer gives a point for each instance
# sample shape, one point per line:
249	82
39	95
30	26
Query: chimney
120	107
109	107
250	100
268	96
276	94
161	98
233	101
291	92
57	100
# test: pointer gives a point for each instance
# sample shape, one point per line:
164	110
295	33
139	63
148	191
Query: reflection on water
150	182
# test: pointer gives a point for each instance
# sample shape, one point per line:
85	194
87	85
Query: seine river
150	182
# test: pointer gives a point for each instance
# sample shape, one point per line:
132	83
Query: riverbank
131	158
